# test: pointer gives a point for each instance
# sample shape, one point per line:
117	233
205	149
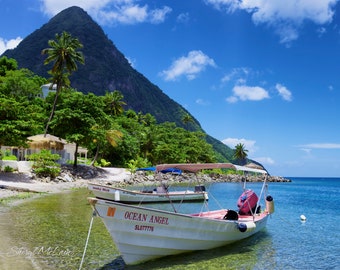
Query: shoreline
14	184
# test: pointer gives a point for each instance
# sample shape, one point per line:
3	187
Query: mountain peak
105	69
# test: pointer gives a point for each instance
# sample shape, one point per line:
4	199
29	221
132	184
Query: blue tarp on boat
147	169
168	170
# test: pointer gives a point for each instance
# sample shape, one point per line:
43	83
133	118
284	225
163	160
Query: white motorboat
141	233
159	194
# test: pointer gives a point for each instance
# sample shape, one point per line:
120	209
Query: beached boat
159	194
143	234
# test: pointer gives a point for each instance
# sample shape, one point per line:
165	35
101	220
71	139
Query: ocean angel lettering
135	216
159	220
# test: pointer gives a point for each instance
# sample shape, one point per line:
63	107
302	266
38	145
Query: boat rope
183	196
87	240
263	189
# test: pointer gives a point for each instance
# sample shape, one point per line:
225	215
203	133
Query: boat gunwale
241	219
165	194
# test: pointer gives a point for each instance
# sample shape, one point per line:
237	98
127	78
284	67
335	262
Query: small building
49	142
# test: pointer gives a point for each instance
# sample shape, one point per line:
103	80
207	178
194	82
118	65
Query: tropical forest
112	135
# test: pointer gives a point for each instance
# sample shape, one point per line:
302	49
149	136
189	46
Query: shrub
6	155
8	169
140	162
102	163
44	164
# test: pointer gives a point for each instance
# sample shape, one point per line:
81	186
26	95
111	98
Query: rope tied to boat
87	239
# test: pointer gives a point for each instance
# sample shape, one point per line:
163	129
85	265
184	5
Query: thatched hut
49	142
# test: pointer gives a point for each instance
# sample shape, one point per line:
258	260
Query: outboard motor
247	202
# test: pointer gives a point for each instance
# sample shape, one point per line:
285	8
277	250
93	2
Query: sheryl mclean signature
39	252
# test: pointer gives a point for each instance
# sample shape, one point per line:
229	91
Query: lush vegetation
106	69
45	163
99	123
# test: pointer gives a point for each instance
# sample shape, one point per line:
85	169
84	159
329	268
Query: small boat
159	194
142	233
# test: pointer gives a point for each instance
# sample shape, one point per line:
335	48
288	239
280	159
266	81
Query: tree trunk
75	156
95	156
52	112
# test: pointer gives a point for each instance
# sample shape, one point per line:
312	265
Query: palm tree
114	102
113	136
240	154
63	52
187	119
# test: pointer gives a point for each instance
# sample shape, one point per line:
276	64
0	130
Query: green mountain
105	69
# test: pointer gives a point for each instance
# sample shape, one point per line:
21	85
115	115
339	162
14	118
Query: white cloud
248	144
286	17
9	44
244	92
306	150
321	31
183	17
158	15
320	146
110	11
237	73
52	7
264	160
202	102
131	61
232	99
189	66
284	92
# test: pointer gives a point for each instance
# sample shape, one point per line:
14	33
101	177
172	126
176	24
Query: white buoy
303	218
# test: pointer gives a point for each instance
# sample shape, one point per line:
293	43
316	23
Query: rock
150	179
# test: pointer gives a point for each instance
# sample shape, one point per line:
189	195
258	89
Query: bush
6	155
8	169
140	162
102	163
44	164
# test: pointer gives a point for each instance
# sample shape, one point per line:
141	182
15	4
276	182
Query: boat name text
144	217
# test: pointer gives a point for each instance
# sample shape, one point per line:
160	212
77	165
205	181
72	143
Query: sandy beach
12	184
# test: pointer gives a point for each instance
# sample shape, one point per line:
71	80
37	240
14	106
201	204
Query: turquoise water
50	232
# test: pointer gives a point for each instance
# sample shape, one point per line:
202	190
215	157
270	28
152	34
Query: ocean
50	232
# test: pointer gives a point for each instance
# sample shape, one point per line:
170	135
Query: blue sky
265	73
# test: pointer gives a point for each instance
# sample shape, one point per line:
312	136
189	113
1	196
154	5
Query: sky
264	73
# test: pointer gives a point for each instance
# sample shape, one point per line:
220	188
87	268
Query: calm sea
50	232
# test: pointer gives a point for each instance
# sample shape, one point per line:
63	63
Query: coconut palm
240	154
113	136
114	102
187	119
63	52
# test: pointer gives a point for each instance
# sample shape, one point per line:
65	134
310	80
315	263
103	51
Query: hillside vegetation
106	69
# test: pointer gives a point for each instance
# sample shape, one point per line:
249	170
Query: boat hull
143	234
131	196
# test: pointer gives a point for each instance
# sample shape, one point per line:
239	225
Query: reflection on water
50	233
